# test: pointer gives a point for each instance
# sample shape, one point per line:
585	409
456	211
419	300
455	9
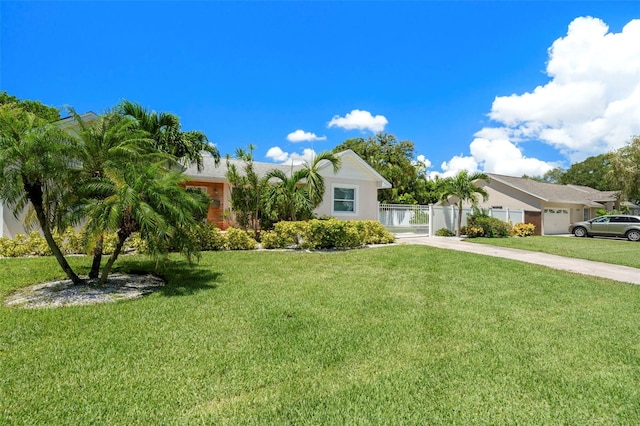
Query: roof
219	172
553	192
71	120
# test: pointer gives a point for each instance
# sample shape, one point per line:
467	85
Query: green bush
474	232
523	229
332	233
326	234
444	232
209	237
372	232
291	234
237	239
271	240
491	227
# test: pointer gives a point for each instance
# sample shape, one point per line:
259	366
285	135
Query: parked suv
608	226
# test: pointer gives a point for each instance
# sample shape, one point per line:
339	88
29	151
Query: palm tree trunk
97	258
459	218
122	237
34	193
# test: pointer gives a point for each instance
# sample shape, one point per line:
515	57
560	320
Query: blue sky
467	82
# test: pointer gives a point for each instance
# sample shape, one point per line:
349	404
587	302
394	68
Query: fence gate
404	217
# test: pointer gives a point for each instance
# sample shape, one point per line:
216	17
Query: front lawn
392	335
615	251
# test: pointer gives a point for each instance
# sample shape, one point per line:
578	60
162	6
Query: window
344	199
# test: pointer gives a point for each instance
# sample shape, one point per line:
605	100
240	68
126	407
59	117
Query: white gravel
61	293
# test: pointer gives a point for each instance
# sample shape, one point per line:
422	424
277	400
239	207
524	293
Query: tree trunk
34	193
97	258
459	218
122	237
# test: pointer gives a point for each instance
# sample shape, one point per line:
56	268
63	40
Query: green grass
393	335
617	252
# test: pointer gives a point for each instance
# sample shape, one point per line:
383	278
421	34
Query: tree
393	159
110	142
147	198
625	170
591	172
462	187
246	191
47	113
36	162
165	130
294	196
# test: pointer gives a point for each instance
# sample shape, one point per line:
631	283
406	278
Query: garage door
556	221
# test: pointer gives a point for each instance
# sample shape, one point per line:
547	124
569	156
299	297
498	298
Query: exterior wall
508	198
10	225
366	199
219	193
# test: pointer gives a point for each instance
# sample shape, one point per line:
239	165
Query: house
550	207
351	193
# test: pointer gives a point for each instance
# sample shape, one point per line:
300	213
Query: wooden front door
215	214
536	219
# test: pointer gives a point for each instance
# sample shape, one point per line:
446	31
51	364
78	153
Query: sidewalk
579	266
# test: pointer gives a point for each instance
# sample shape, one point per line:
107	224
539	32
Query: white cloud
359	120
455	165
424	161
302	136
590	105
278	155
503	157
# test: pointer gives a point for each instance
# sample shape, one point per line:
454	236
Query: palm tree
146	197
295	196
288	198
462	187
111	141
315	181
36	166
164	129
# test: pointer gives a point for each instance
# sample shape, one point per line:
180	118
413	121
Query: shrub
474	232
491	227
209	237
332	233
237	239
523	229
291	233
271	240
372	232
444	232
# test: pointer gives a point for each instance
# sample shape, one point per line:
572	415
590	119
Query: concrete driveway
579	266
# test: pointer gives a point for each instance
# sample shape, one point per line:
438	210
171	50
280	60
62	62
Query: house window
344	199
200	188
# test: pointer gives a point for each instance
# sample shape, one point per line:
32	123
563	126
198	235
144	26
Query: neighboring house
550	207
351	193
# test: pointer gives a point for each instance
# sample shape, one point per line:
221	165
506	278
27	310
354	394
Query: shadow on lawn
181	278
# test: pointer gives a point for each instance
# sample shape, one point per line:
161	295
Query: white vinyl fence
428	219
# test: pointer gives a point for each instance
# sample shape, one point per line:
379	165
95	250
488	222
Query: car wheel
633	235
580	232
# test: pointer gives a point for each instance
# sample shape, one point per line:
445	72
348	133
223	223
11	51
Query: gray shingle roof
553	192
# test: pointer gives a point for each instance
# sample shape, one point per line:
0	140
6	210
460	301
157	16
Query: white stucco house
351	193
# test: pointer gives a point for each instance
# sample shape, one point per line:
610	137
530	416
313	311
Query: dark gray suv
609	226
